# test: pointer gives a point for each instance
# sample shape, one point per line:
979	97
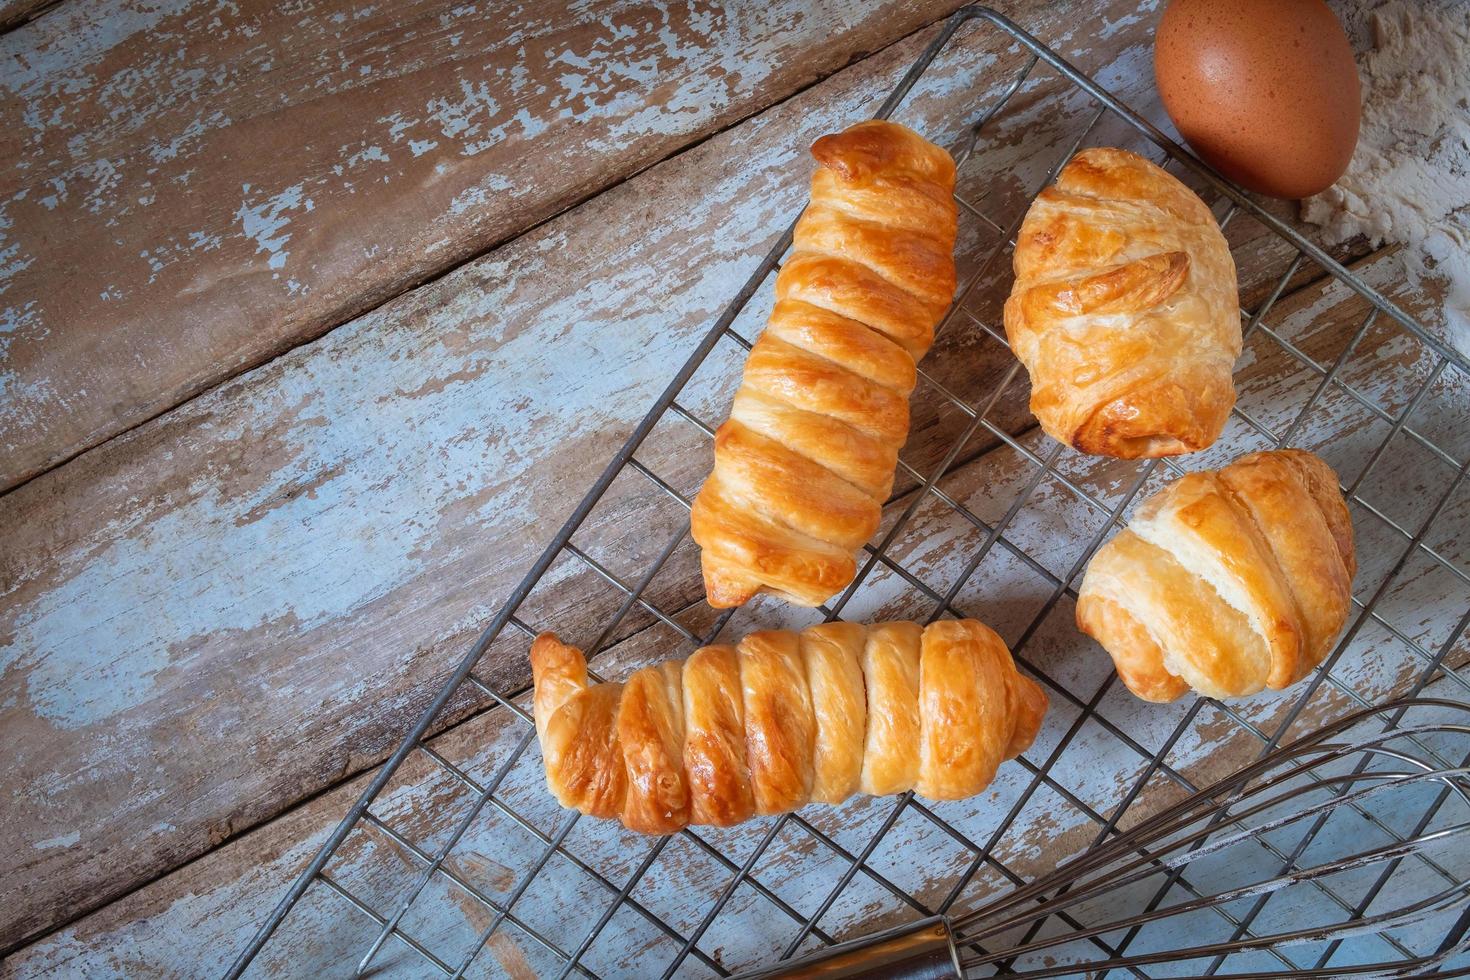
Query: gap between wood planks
18	13
233	832
436	731
469	716
142	845
371	302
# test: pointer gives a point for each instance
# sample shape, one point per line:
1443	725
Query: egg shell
1265	91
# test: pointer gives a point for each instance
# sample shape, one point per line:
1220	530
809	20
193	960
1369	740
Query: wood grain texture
247	598
12	12
221	897
191	189
218	901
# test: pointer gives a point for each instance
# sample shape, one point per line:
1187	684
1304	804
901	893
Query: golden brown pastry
781	720
1124	310
1226	582
806	460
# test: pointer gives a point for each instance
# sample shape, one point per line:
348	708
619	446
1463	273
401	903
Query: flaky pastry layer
1226	582
783	719
806	459
1125	310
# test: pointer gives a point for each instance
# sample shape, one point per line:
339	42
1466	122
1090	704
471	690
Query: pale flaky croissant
807	458
1226	582
1124	310
783	719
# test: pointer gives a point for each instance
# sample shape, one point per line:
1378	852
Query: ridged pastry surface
1124	310
807	457
1225	582
783	719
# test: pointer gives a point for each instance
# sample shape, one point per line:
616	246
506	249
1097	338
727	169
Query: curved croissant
1226	582
1124	310
806	460
783	719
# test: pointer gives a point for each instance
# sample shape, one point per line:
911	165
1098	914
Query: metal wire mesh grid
1355	763
1089	499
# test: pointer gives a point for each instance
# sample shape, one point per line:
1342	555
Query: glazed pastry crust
1226	582
780	728
972	716
781	720
807	457
1124	310
832	654
714	739
651	731
891	666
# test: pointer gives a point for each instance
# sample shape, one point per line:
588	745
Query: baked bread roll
781	720
1226	582
1124	310
806	460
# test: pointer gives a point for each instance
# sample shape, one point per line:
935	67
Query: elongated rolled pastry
806	459
1226	582
783	719
1125	310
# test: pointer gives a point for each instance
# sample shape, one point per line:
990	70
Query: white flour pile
1409	180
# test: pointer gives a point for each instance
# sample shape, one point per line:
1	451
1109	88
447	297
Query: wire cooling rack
1381	397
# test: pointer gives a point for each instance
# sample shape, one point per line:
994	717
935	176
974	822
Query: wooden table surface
316	320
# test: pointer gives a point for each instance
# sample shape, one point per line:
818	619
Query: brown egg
1265	91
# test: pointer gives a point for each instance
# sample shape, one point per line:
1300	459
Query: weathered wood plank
189	189
219	898
12	12
217	901
236	604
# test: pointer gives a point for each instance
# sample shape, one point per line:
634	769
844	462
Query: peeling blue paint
264	223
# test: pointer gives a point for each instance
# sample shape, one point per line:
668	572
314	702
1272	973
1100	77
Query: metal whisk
1370	812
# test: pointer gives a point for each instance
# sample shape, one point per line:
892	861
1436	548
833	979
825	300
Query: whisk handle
922	950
